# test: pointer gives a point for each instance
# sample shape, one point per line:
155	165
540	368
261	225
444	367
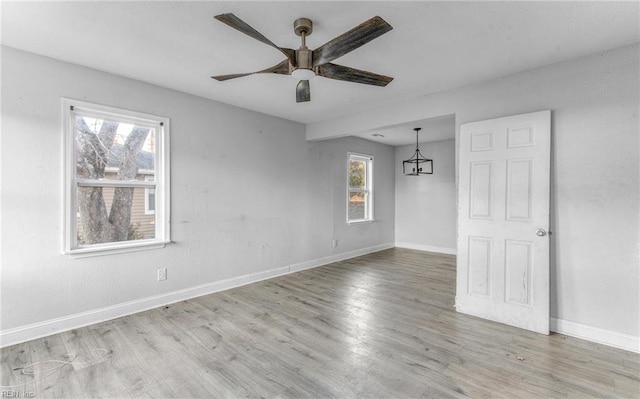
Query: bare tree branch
92	158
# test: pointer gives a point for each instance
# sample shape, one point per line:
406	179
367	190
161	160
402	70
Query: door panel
519	189
503	199
518	281
480	193
479	266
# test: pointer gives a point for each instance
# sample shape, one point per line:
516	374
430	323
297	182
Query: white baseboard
428	248
338	257
54	326
594	334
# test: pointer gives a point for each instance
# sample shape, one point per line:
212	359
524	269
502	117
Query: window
360	188
116	178
149	198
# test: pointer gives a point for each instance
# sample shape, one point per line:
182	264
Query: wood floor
377	326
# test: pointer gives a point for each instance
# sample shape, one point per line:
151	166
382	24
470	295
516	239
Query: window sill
115	249
367	221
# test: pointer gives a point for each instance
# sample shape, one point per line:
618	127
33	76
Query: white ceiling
434	46
433	129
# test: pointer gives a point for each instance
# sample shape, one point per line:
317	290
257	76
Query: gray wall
227	220
595	205
426	208
331	157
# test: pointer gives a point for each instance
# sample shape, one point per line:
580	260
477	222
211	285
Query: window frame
71	108
369	215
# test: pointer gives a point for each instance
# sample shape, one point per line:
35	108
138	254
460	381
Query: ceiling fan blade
222	78
303	91
238	24
339	72
351	40
280	69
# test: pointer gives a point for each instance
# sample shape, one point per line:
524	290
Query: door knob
541	232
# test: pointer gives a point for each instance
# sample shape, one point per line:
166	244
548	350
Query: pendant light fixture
417	164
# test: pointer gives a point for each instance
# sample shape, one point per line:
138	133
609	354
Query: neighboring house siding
143	223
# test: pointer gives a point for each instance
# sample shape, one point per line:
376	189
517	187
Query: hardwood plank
49	352
12	361
381	325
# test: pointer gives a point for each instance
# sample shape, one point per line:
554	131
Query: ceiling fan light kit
303	74
417	164
304	64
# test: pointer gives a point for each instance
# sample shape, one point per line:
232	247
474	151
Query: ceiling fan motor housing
304	58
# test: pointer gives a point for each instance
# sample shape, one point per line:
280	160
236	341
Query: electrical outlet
162	274
335	243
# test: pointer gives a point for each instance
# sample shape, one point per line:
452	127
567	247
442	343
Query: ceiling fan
304	64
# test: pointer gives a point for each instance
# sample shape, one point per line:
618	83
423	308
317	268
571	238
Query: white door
503	220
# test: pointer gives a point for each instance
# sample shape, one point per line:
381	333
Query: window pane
107	214
107	149
151	200
357	203
357	174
